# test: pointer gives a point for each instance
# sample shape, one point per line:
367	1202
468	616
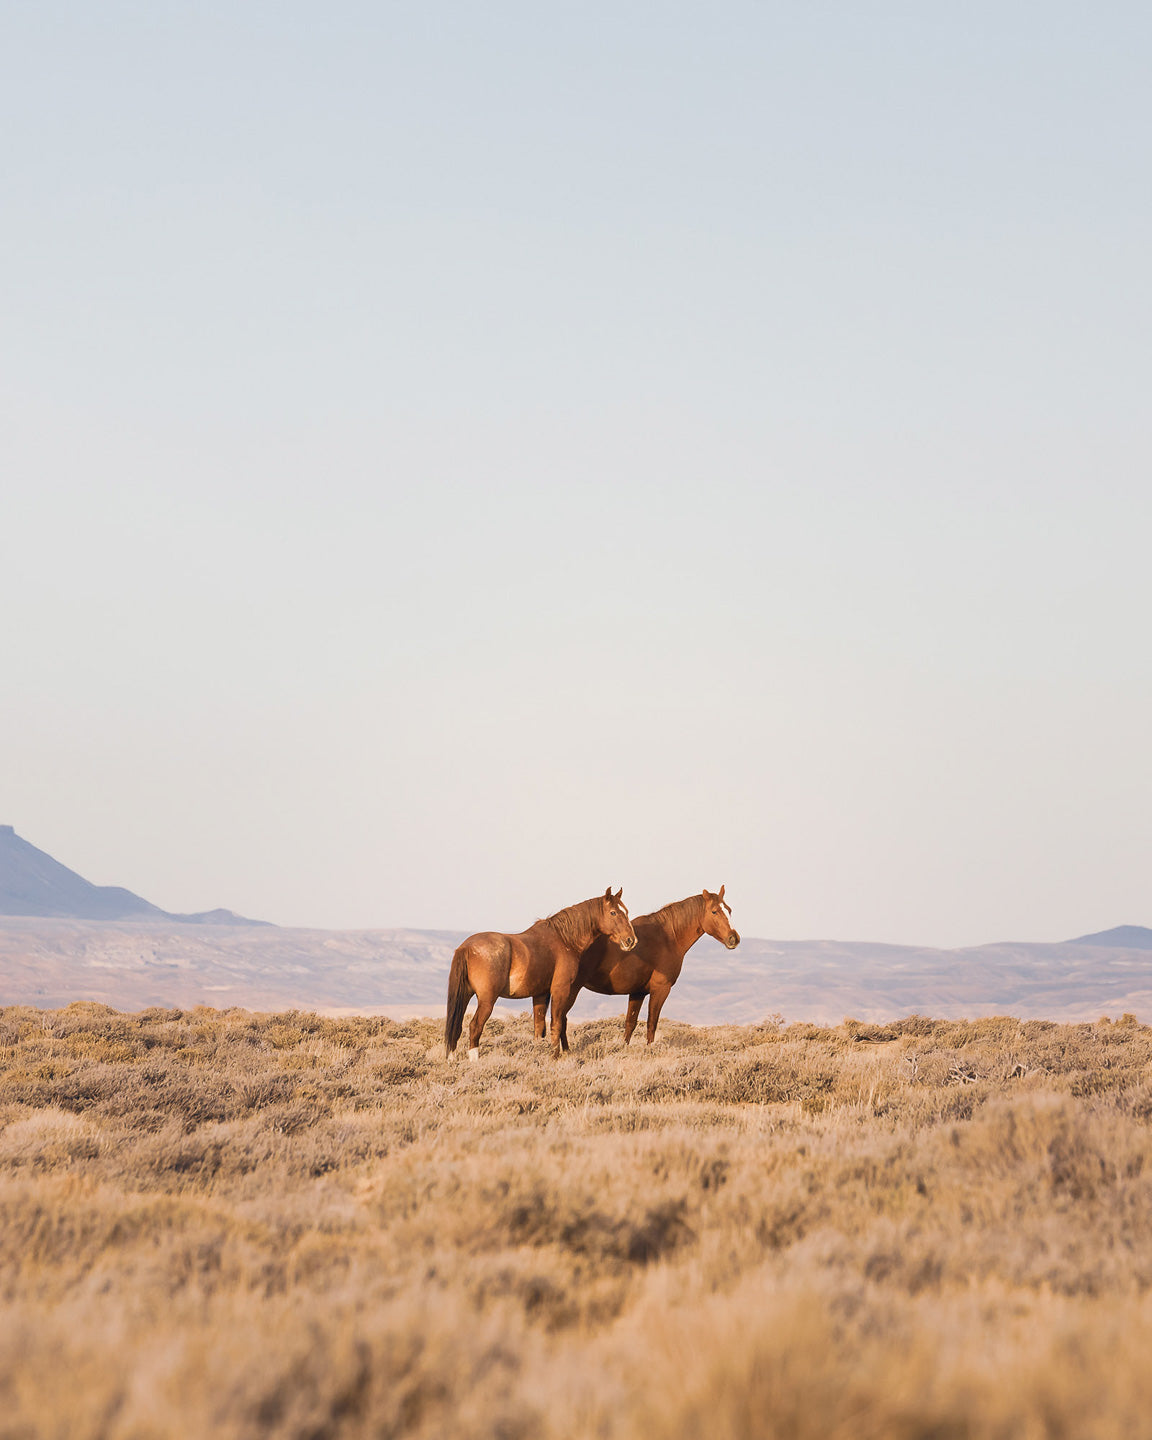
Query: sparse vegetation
219	1223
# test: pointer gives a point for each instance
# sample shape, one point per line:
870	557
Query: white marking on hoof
474	1054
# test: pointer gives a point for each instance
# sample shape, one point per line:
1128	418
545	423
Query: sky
454	457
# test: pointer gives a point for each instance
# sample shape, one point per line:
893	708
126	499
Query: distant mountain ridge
32	883
131	964
64	939
134	964
1127	937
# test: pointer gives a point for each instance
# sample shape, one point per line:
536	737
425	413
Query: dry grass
217	1223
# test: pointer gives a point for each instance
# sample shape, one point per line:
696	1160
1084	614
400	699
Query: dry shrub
799	1362
47	1139
219	1223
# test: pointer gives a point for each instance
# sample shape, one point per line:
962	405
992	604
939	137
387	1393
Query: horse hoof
474	1054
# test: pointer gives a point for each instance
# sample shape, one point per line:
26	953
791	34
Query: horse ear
608	893
619	893
721	895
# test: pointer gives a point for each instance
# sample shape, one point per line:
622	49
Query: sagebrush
227	1224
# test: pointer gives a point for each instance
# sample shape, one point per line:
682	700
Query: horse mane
678	913
575	924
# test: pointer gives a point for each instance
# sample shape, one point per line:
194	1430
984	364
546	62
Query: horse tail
459	993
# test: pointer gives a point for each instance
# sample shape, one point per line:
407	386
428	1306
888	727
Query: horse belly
617	974
625	979
522	979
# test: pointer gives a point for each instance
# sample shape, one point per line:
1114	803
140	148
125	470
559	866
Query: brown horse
541	960
651	968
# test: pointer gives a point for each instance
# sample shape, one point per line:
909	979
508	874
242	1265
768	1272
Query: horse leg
484	1007
561	999
634	1003
656	1000
539	1016
572	994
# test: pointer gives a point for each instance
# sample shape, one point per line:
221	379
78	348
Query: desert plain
224	1223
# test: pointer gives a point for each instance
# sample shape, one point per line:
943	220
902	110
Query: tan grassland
228	1224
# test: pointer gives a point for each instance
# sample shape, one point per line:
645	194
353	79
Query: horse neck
575	925
683	922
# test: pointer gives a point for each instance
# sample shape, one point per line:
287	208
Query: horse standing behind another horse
649	968
540	960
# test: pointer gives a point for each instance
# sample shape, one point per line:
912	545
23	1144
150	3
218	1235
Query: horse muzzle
732	941
627	945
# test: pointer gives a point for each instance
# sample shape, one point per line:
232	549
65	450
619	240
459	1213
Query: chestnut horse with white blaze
650	968
541	960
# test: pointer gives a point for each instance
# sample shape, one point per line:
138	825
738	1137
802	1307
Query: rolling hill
1127	937
77	941
135	964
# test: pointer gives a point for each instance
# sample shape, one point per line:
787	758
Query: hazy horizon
118	923
454	460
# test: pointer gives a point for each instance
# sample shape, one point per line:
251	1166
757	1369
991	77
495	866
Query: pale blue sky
456	456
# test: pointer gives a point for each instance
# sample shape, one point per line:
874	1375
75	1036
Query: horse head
716	922
614	921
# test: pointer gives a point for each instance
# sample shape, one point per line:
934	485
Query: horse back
486	942
488	956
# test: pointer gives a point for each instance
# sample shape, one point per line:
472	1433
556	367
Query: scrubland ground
226	1224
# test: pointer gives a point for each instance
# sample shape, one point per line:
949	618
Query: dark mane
575	924
677	913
